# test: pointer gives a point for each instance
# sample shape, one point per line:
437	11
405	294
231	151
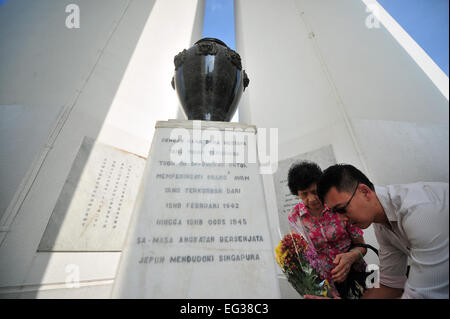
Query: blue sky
219	21
426	21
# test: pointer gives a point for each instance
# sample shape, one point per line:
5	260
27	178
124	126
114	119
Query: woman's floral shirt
329	235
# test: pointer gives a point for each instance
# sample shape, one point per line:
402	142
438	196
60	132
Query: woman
331	237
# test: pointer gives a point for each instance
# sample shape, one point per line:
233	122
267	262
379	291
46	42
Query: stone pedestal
199	228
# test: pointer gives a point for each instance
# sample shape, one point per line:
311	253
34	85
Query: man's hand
344	262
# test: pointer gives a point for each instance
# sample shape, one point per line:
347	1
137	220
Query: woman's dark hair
302	175
342	176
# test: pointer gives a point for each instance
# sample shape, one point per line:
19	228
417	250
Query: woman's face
310	198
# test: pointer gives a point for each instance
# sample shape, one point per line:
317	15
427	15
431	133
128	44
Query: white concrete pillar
108	80
322	77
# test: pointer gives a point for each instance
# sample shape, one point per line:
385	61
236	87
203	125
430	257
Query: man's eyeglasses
343	209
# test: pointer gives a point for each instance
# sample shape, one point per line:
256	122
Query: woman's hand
334	295
344	262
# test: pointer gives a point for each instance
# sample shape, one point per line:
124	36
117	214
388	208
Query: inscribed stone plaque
324	157
200	228
95	205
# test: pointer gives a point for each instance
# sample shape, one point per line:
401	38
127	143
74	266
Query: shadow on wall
45	69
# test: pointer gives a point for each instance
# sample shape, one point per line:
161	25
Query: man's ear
365	190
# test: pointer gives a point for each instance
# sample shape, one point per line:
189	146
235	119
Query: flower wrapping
301	265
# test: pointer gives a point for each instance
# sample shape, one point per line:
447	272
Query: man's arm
384	292
426	227
393	265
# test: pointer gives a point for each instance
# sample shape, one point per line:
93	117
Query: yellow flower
327	285
279	255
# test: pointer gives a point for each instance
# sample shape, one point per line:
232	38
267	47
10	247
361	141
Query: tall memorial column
200	226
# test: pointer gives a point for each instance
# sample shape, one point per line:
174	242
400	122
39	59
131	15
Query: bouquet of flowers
301	266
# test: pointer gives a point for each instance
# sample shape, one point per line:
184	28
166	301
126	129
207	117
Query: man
409	220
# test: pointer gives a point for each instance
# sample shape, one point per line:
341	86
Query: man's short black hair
342	176
302	175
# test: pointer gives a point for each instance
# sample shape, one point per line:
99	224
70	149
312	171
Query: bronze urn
209	80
